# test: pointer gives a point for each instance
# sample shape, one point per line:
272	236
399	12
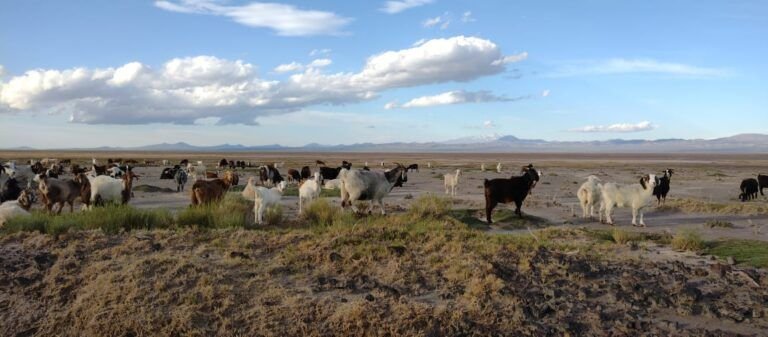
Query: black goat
762	182
306	173
329	173
661	190
515	189
10	190
347	165
748	189
413	167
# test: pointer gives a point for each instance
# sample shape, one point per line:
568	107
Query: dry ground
403	276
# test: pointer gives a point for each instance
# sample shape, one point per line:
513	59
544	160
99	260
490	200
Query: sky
208	72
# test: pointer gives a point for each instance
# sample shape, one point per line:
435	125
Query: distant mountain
742	143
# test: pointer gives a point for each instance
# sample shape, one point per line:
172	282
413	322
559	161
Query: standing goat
308	191
369	185
209	191
498	167
266	197
660	191
636	196
451	182
55	191
589	196
762	182
514	189
748	189
16	208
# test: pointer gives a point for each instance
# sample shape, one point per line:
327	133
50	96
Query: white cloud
2	70
620	127
445	24
289	67
629	66
393	7
466	17
419	42
511	58
429	23
286	20
391	105
184	90
319	63
545	93
489	125
318	52
454	97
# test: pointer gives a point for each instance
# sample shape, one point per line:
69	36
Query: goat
589	196
369	185
749	189
294	175
264	198
636	196
16	208
451	182
330	173
98	170
660	191
165	162
429	164
211	175
75	169
223	163
305	173
249	192
319	163
482	167
332	184
197	172
762	182
107	189
514	189
169	172
181	179
55	191
208	191
10	190
498	167
411	168
269	175
115	172
309	190
347	165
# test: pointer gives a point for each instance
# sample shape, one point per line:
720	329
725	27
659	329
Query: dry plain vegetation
430	267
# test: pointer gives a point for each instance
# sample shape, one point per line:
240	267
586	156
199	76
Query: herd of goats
113	182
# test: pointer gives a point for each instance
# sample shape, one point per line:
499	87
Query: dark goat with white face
514	189
661	190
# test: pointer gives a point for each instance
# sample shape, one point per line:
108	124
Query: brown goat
209	191
55	191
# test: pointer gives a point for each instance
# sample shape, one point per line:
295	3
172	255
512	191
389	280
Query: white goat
249	192
498	167
482	167
636	196
266	197
589	196
309	191
369	185
451	182
15	208
332	184
107	189
115	172
197	172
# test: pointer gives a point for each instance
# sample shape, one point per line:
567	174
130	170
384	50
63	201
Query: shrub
322	213
687	240
273	216
110	219
621	236
429	206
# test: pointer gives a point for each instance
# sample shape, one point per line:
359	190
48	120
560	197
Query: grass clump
273	216
429	207
622	237
687	240
750	252
233	211
110	219
701	206
718	224
321	213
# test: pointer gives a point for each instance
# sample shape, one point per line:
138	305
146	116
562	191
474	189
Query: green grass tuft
687	240
750	252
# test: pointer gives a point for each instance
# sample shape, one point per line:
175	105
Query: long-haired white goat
636	196
589	196
266	197
451	182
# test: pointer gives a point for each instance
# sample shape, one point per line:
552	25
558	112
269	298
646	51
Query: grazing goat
305	173
106	189
10	190
514	189
369	185
589	196
332	184
660	191
636	196
266	197
309	190
169	172
269	175
181	179
412	167
294	175
55	191
16	208
762	182
451	182
208	191
749	189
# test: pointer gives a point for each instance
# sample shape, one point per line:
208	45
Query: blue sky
126	73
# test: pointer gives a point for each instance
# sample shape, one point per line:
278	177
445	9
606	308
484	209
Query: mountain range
741	143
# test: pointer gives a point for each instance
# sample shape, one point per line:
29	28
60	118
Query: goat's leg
642	223
71	206
381	204
608	219
488	210
518	204
634	216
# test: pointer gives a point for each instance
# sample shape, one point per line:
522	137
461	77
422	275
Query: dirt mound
364	280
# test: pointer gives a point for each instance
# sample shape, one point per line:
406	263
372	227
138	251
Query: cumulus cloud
391	105
431	22
2	70
187	89
620	127
511	58
319	63
318	52
286	20
393	7
545	93
454	97
637	66
289	67
489	125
